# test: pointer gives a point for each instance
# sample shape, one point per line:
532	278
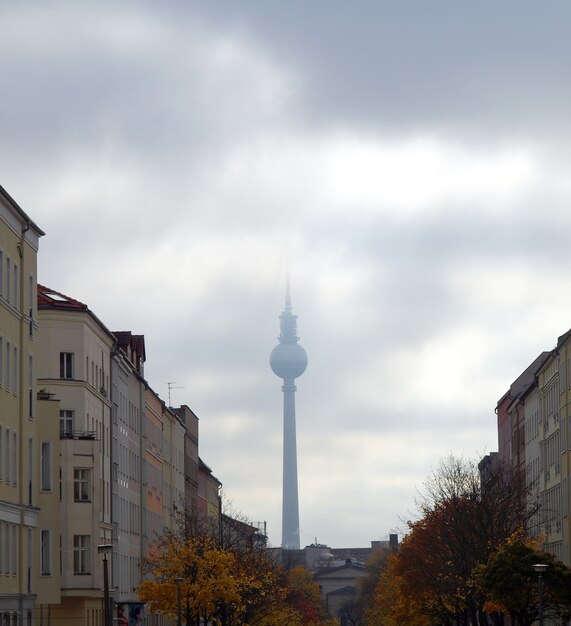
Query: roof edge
14	205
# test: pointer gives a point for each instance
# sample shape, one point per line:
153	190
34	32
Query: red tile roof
49	298
131	343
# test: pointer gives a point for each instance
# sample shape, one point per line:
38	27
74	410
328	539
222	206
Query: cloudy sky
408	161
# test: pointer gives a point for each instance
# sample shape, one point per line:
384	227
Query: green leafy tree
511	585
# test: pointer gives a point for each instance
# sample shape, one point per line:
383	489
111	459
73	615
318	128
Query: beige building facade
74	367
29	507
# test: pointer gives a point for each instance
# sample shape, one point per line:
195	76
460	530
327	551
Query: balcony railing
78	434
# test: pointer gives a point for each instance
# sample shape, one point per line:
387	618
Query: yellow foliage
393	604
231	586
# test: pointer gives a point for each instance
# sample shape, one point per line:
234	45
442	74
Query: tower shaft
288	360
290	503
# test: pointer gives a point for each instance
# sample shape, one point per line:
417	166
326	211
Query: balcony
78	434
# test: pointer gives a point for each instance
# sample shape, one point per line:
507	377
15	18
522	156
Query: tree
510	583
228	578
462	522
304	595
375	564
392	603
352	611
208	584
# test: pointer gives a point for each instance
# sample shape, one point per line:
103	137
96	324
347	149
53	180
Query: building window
30	386
14	458
7	365
32	301
7	549
30	469
7	456
16	286
30	559
66	364
16	370
81	547
45	552
81	485
65	424
11	550
46	465
14	545
7	293
1	362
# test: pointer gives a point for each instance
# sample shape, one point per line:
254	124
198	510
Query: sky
408	164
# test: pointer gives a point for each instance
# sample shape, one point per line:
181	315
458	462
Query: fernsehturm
288	360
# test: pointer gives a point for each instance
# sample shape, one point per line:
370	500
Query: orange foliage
304	596
393	604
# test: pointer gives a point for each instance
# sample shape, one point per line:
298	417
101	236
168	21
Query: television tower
288	360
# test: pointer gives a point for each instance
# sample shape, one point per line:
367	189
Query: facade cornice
83	316
21	216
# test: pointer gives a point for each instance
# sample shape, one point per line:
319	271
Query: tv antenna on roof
171	385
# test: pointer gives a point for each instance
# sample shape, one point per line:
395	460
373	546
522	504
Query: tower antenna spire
287	293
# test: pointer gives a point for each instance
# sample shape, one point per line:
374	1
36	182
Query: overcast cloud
409	162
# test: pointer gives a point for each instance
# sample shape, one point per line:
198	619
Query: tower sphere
288	360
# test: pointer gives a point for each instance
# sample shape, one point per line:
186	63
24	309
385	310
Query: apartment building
554	437
191	463
174	442
89	453
74	366
534	431
128	410
209	499
532	453
29	520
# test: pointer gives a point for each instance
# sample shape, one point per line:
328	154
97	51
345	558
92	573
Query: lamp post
178	601
540	568
106	549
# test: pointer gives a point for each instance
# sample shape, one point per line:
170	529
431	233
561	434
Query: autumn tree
463	520
207	578
393	603
303	595
227	576
352	611
511	587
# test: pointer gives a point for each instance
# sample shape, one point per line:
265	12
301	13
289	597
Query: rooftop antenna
171	386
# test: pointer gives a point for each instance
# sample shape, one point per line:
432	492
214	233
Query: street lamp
106	549
178	602
540	568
